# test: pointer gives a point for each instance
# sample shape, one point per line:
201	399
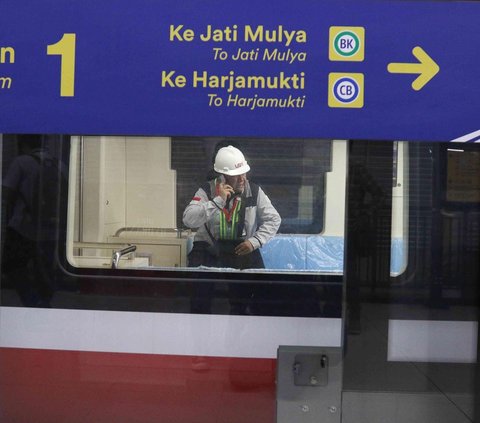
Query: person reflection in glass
30	199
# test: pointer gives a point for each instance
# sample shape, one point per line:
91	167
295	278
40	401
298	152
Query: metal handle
117	255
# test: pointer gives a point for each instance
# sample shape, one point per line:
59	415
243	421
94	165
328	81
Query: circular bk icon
346	43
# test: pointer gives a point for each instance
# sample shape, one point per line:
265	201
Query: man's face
237	182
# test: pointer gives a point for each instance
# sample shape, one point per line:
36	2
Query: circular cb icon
346	43
346	90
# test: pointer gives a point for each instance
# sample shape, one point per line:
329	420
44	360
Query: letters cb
345	90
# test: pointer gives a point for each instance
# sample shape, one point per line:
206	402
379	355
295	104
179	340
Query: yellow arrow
426	68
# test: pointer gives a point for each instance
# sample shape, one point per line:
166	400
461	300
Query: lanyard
229	220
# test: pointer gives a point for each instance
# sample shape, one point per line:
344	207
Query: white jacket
261	219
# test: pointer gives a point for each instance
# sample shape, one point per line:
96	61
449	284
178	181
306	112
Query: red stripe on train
45	386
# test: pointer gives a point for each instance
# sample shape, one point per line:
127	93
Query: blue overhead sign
348	70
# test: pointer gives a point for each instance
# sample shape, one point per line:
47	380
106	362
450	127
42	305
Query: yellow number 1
65	48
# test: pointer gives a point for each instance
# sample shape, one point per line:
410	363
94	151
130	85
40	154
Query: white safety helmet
230	161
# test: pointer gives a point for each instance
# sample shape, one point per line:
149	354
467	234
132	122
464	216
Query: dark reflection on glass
366	206
415	341
31	213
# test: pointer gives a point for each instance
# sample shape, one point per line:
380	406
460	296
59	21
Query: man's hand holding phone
225	191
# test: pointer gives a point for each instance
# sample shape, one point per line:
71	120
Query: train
366	305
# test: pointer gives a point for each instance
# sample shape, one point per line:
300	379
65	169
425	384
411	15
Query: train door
412	326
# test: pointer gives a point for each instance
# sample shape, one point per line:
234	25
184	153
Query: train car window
184	203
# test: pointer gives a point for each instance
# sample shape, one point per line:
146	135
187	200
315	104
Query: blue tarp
316	252
304	252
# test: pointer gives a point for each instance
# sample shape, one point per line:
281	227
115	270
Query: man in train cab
233	217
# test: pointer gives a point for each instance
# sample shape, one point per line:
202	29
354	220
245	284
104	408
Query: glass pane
411	348
157	194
